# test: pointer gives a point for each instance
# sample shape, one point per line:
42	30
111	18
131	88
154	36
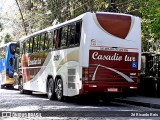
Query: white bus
92	53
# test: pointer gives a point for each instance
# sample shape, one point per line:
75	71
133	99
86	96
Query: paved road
11	100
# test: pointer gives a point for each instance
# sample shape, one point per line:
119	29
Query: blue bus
7	56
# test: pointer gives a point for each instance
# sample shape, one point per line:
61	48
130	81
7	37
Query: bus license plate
112	89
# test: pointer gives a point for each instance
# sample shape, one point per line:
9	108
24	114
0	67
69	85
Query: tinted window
71	34
56	38
50	40
31	45
27	46
59	37
35	45
43	37
46	41
24	48
63	42
13	48
41	42
38	43
78	33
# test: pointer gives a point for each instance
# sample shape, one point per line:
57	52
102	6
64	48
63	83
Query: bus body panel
113	57
62	62
6	63
2	71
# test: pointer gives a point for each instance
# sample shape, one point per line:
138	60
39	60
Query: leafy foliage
150	14
35	14
7	38
39	14
63	10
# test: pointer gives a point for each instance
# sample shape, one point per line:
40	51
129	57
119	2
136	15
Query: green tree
150	14
7	38
39	14
20	11
63	10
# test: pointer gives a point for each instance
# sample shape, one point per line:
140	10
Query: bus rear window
12	48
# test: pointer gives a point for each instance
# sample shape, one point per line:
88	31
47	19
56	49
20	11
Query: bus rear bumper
109	88
9	81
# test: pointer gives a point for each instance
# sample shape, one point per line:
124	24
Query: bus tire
50	89
59	89
20	87
2	87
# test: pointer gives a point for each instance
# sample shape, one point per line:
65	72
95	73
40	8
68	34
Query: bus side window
46	41
78	33
37	38
35	44
41	42
59	37
31	45
71	35
56	38
24	47
53	38
50	41
27	46
63	42
38	43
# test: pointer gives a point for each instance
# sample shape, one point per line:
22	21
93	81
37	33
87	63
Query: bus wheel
50	89
59	90
2	86
20	87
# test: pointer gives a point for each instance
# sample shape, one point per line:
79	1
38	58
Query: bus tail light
131	87
85	73
7	71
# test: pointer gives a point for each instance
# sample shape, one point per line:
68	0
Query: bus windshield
13	48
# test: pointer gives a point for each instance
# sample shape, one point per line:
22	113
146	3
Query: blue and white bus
7	55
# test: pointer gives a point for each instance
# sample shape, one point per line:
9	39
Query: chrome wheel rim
49	89
59	89
21	85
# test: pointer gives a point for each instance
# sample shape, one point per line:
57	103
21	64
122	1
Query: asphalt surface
22	105
152	102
